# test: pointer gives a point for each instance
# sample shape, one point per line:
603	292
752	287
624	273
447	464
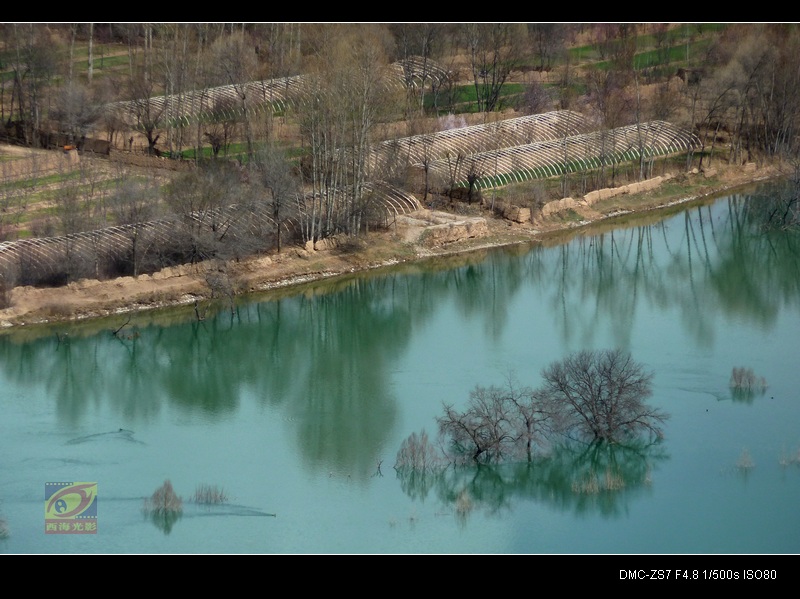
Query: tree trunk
90	70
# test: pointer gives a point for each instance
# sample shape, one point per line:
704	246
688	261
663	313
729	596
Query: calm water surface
296	405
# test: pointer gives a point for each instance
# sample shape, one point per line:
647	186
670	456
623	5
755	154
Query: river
294	405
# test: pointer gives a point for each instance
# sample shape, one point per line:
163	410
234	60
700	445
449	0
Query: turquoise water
296	404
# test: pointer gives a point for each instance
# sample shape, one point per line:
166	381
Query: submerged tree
600	395
745	385
483	432
418	453
590	396
164	507
164	500
500	423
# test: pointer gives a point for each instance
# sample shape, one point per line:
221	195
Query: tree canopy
600	395
591	396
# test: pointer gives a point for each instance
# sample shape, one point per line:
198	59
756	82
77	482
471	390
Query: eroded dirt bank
421	235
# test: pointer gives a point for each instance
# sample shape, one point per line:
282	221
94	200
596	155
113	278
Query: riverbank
194	286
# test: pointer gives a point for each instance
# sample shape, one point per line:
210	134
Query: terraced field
482	157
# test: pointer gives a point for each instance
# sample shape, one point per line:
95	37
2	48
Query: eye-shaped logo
70	500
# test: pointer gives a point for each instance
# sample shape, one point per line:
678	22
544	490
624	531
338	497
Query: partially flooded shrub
614	481
587	485
464	503
209	494
745	385
745	461
164	501
787	459
591	484
418	453
745	378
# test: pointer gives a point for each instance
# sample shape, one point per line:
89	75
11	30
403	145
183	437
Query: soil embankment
413	237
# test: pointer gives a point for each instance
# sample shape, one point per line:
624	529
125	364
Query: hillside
621	104
197	286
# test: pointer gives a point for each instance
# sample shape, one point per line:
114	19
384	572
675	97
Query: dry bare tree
278	187
235	64
601	395
418	43
164	500
76	112
203	203
484	432
32	63
531	415
134	202
418	453
348	92
146	113
164	507
548	41
495	49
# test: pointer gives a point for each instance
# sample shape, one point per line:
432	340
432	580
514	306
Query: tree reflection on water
599	477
